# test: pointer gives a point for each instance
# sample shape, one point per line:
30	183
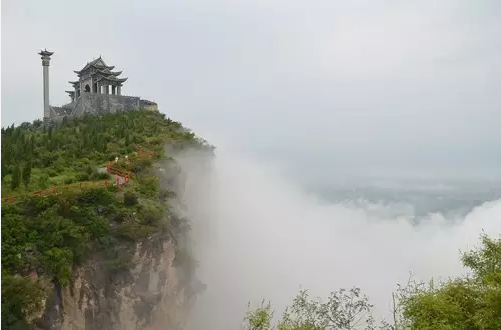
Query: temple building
98	90
97	77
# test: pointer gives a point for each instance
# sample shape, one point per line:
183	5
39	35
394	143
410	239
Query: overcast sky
352	85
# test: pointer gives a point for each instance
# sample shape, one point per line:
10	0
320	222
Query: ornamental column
119	90
45	64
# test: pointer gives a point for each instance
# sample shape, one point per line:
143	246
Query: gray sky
346	85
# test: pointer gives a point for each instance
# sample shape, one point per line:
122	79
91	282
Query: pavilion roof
97	64
113	78
107	72
102	73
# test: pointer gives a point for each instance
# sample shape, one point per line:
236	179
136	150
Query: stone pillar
98	88
45	64
106	89
113	90
119	90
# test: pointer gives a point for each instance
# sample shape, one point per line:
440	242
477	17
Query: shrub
130	198
83	177
99	176
164	194
150	214
21	297
141	164
134	232
96	196
148	186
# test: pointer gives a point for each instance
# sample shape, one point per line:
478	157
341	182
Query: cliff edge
83	249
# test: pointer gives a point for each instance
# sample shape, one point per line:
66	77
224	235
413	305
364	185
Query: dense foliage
465	303
35	157
47	236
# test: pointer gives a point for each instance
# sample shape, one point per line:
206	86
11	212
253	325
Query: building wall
86	82
148	105
103	103
152	107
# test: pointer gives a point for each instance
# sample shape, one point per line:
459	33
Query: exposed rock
148	296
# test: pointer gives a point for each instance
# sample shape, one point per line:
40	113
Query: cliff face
155	293
151	295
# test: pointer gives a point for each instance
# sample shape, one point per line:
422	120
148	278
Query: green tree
127	140
58	263
4	170
26	174
260	318
21	297
16	177
343	310
130	198
470	302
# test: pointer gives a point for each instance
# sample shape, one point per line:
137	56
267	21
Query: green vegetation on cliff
35	158
46	236
466	303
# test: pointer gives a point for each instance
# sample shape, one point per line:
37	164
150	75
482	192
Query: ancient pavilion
98	90
97	77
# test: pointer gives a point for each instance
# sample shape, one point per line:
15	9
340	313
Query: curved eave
110	73
104	72
45	52
70	92
101	67
119	79
86	70
86	66
74	82
113	79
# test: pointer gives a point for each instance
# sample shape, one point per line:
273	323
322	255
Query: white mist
260	236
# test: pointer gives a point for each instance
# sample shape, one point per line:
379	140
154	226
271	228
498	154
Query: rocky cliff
150	295
156	291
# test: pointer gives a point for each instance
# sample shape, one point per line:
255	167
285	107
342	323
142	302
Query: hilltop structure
98	90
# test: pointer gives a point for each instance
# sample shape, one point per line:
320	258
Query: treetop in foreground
470	302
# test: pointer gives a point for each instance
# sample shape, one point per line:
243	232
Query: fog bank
259	235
